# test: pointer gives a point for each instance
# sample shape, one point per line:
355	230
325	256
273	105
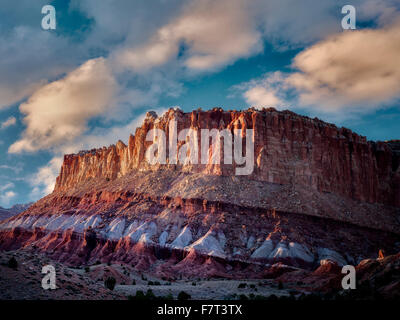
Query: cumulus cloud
357	71
29	58
352	68
5	194
8	123
265	92
213	33
43	181
58	112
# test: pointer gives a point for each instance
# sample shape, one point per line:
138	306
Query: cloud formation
356	71
5	194
58	112
266	92
8	123
353	68
212	33
43	181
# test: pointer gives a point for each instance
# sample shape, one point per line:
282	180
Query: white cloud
356	71
358	68
5	194
265	92
30	58
43	181
8	123
215	33
6	186
6	197
16	169
58	112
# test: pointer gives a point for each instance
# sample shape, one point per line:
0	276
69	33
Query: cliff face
288	150
317	193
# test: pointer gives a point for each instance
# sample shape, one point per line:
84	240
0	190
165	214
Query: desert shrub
184	296
12	263
169	297
150	294
110	282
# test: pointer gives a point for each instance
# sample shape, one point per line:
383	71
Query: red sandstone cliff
317	193
289	150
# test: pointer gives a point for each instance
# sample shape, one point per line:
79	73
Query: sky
89	82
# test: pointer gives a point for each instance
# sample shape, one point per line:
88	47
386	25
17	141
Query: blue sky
89	82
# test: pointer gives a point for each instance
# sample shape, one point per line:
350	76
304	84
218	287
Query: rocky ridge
317	193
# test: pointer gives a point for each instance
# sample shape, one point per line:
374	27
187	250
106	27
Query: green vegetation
184	296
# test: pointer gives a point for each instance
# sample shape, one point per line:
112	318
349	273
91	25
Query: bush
242	285
169	297
150	283
139	294
184	296
243	297
110	283
134	282
194	284
87	269
12	263
150	295
280	285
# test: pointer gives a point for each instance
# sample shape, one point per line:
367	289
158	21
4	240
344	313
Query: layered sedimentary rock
317	193
289	149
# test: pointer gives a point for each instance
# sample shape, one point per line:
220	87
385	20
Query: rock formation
317	193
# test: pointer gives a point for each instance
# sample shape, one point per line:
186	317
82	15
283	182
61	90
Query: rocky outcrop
192	237
317	193
289	150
